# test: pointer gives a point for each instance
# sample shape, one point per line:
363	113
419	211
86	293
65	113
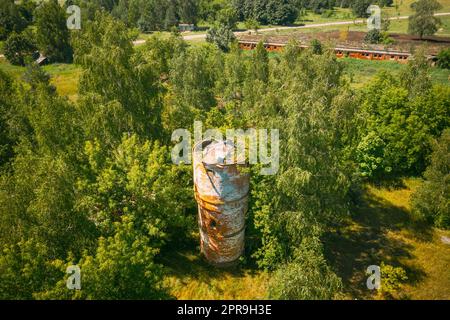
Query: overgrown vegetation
90	182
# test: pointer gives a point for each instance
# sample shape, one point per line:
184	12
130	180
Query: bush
444	59
307	278
316	46
392	279
221	35
373	36
19	48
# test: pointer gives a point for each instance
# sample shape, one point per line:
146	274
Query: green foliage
116	75
221	35
423	22
122	267
278	12
192	82
316	46
307	278
370	154
25	270
260	63
19	48
402	117
252	24
52	35
373	36
7	95
432	201
392	279
14	18
310	192
444	59
135	180
359	8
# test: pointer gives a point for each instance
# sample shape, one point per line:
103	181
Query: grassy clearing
383	230
63	76
362	71
191	277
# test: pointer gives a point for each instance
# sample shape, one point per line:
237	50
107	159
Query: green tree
403	116
310	191
12	18
188	11
7	98
260	60
359	8
52	35
19	48
373	36
432	201
423	22
122	267
308	277
104	47
316	46
191	87
281	12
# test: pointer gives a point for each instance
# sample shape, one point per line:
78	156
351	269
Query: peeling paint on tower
221	191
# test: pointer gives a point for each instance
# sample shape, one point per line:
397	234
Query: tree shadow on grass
187	261
364	240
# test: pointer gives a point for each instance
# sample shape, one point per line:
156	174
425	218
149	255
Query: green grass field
361	71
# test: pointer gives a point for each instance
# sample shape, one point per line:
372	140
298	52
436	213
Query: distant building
186	27
352	45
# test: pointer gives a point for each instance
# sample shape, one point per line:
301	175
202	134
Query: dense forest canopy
91	182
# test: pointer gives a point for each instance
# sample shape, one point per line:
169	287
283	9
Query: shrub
316	46
392	279
373	36
444	59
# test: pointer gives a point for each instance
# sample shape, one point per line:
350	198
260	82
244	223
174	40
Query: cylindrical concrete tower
221	191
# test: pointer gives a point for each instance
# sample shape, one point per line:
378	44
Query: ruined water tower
221	191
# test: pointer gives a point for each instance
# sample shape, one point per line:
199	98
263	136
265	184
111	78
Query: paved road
316	25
